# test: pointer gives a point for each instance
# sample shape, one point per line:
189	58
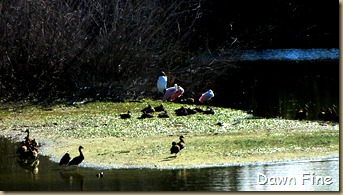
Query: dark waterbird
181	143
78	159
301	113
146	115
175	148
65	159
209	110
181	111
101	174
163	114
125	116
148	109
159	108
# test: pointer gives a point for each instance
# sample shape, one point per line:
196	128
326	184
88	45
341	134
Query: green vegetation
112	142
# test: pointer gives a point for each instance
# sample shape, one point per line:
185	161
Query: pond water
275	82
319	175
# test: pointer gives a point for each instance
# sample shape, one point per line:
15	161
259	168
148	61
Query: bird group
66	159
28	149
176	91
328	114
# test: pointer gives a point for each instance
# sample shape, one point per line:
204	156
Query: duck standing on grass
125	116
181	143
162	83
175	148
206	96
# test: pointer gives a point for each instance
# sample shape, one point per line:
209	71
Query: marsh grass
111	142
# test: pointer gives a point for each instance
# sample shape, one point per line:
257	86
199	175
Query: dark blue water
288	54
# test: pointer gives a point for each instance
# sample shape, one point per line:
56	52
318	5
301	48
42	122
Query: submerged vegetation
227	137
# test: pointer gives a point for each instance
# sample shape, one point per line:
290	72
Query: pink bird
177	93
206	96
169	92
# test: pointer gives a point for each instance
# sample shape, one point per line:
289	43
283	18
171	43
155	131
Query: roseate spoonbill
162	83
206	96
170	91
78	159
179	91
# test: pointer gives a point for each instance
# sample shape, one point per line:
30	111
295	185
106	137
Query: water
273	83
288	54
49	176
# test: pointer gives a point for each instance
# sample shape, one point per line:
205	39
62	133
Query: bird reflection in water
73	179
30	166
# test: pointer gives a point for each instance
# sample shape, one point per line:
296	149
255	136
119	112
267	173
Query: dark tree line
114	49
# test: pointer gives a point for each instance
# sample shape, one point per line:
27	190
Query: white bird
206	96
162	83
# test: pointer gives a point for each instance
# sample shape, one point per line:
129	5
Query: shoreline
112	143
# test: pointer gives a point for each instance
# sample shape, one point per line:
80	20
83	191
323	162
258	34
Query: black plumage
181	111
175	148
65	159
301	113
78	159
209	110
159	108
163	114
148	109
146	115
125	116
181	142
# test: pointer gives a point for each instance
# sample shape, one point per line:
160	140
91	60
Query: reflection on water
288	54
52	177
274	83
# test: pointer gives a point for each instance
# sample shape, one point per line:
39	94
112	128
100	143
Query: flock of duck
28	150
329	114
28	153
148	112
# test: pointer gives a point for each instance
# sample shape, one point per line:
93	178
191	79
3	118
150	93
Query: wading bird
178	93
162	83
78	159
206	96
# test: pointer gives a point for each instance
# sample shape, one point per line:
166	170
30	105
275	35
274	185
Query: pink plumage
206	96
177	93
169	92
